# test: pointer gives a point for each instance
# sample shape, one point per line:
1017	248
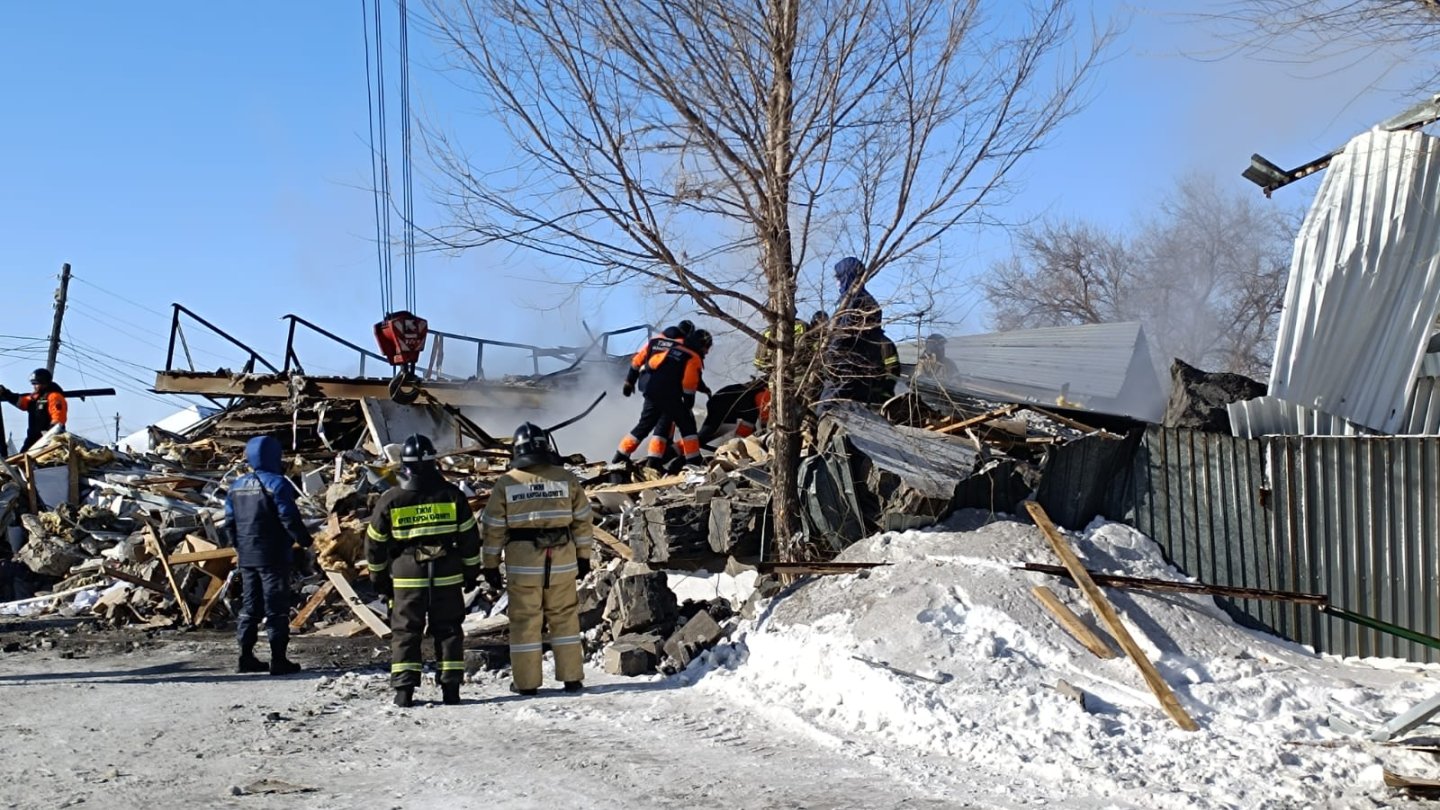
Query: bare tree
707	147
1307	30
1205	274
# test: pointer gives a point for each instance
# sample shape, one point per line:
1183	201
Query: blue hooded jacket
260	511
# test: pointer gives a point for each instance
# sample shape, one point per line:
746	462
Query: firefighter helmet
701	341
41	376
417	450
532	446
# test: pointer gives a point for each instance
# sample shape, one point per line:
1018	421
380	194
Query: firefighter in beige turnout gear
422	548
539	518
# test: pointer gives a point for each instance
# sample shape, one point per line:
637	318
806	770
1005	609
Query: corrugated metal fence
1357	518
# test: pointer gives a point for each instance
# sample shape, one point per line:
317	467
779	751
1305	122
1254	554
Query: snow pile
971	661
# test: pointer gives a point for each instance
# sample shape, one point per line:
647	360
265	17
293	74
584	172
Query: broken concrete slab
735	526
639	602
696	636
633	654
674	530
49	556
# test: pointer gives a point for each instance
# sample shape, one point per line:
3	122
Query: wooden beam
153	541
641	486
1067	421
1071	623
819	568
31	492
956	427
213	593
1106	612
316	600
613	543
126	576
1144	584
360	609
201	556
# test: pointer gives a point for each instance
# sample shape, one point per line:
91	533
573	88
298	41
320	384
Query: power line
114	294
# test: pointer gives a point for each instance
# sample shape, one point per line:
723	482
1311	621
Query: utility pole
59	316
117	428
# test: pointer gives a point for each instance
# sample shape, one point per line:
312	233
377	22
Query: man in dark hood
854	365
263	521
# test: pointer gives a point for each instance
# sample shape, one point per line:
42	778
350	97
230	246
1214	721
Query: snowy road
172	727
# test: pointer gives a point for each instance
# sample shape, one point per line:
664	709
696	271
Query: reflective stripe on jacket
541	497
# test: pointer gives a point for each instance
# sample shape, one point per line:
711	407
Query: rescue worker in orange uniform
538	518
45	406
744	407
668	373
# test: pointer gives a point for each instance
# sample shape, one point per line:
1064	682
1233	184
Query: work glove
582	566
493	579
472	577
627	389
384	585
704	389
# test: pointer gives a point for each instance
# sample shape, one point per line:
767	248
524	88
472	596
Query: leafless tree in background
1205	274
1305	30
712	147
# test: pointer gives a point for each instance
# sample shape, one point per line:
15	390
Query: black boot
404	697
574	686
279	664
526	692
249	663
450	694
619	458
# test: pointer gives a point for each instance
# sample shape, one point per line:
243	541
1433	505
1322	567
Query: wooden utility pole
59	316
117	428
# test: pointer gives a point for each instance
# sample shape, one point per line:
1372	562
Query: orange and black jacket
46	409
665	367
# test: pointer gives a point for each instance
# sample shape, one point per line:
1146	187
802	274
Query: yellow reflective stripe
425	582
379	566
449	666
424	531
467	525
405	666
374	534
421	514
471	560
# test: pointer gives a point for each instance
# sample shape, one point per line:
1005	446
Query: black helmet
41	376
700	341
532	446
418	449
685	328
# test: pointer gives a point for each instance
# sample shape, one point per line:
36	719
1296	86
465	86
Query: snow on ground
784	716
949	607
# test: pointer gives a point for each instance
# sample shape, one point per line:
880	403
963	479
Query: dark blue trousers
266	592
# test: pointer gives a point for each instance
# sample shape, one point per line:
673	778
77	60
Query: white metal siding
1364	283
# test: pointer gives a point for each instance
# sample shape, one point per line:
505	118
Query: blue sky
214	154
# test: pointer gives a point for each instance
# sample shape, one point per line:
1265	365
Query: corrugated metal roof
1105	368
1364	282
1269	416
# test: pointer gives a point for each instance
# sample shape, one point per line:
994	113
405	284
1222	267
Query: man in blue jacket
263	521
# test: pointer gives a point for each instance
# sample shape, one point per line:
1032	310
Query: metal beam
464	395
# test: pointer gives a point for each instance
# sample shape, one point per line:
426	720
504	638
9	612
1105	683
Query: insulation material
1364	283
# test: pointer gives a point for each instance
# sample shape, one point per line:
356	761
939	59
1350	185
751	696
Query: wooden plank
1144	584
213	593
1106	612
956	427
73	463
1413	786
363	613
1071	623
126	576
31	492
1068	422
641	486
185	557
153	541
821	568
316	600
613	543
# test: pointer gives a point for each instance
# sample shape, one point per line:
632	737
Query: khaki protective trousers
536	607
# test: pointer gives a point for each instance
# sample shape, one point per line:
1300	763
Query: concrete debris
640	601
1198	399
633	654
698	634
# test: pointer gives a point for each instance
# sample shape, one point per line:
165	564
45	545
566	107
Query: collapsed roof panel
1104	368
1364	283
